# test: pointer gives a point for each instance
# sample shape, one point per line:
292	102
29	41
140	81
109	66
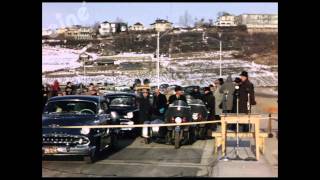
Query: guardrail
269	128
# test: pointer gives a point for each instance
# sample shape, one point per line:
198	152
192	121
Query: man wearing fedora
177	96
246	87
246	90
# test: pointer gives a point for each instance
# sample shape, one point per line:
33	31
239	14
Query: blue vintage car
73	110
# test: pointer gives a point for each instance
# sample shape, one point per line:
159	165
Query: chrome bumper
65	150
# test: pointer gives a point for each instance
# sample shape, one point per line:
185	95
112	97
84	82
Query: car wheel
147	140
176	140
114	142
90	158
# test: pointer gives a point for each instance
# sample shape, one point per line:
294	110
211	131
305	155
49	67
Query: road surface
136	159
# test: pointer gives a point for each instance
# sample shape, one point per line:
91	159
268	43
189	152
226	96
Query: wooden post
270	135
257	138
224	137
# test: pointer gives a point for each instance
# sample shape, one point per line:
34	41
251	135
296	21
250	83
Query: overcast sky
56	15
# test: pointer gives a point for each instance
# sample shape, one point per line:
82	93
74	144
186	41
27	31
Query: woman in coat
218	99
227	89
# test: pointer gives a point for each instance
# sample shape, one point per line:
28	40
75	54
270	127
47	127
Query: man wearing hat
177	96
246	87
209	101
246	90
145	107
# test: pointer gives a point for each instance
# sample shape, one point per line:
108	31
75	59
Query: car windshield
122	101
71	107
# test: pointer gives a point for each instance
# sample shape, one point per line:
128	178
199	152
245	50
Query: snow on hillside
183	72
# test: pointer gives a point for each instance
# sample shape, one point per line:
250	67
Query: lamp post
220	44
158	58
220	53
158	55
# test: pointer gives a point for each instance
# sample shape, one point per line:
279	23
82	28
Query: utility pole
158	57
220	53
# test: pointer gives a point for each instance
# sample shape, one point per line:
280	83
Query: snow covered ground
180	71
54	58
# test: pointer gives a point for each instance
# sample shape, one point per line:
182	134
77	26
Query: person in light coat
227	89
218	98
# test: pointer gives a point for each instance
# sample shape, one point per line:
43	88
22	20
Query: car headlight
130	123
85	131
129	115
195	116
113	115
178	120
155	129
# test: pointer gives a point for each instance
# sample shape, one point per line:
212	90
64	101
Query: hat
244	73
220	80
237	80
178	88
206	88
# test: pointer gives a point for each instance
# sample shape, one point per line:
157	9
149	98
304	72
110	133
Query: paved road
138	159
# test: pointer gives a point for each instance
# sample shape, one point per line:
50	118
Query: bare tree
185	20
119	20
223	13
210	22
96	26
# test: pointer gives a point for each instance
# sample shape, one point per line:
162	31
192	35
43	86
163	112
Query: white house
226	20
79	33
161	25
259	22
105	28
47	32
137	27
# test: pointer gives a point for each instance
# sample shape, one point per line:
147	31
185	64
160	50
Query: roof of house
138	23
161	21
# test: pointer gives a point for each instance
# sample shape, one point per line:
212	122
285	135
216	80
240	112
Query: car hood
122	110
66	120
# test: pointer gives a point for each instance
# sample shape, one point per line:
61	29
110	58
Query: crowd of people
54	89
230	96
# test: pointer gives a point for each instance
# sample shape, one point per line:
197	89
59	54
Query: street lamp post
158	54
220	53
158	58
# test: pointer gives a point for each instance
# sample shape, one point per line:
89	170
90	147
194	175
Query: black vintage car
124	107
76	110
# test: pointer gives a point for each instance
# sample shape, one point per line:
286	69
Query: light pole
158	55
220	44
220	53
158	58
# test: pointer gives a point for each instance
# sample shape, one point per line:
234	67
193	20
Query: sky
56	15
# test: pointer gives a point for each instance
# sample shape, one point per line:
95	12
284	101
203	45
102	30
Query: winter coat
145	109
227	89
159	102
68	90
245	88
55	88
209	101
218	100
173	98
196	95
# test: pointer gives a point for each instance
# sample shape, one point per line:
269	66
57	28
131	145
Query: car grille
58	139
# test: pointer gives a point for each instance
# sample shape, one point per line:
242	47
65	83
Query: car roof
81	97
